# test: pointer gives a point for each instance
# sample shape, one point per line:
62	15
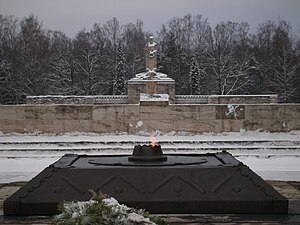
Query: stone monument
151	82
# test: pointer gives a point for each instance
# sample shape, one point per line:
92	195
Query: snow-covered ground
274	156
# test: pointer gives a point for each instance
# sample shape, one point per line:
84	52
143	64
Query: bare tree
112	30
33	55
27	51
229	71
61	69
61	75
8	37
285	70
275	48
88	71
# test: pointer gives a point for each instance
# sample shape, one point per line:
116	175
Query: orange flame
153	141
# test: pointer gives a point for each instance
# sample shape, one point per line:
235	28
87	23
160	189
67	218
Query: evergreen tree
120	72
194	77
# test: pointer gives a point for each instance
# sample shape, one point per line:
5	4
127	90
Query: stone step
49	147
237	151
21	145
243	142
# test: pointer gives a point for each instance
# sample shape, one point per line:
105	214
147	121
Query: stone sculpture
151	62
151	54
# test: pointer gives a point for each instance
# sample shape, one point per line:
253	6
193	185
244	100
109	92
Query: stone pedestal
167	184
137	86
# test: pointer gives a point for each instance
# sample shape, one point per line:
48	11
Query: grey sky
70	16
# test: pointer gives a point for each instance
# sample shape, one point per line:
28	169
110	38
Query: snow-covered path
274	156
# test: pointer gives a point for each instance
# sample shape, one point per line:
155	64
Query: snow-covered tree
285	71
88	61
194	77
224	64
242	77
88	71
61	76
61	71
252	80
120	72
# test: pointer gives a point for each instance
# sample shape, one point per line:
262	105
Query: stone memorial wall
133	118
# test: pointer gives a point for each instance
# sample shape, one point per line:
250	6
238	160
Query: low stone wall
135	98
191	99
89	99
242	99
134	118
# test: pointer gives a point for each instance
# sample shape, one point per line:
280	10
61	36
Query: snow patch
138	218
151	74
232	110
139	124
154	97
120	214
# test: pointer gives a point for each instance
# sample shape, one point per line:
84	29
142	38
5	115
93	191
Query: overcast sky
70	16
